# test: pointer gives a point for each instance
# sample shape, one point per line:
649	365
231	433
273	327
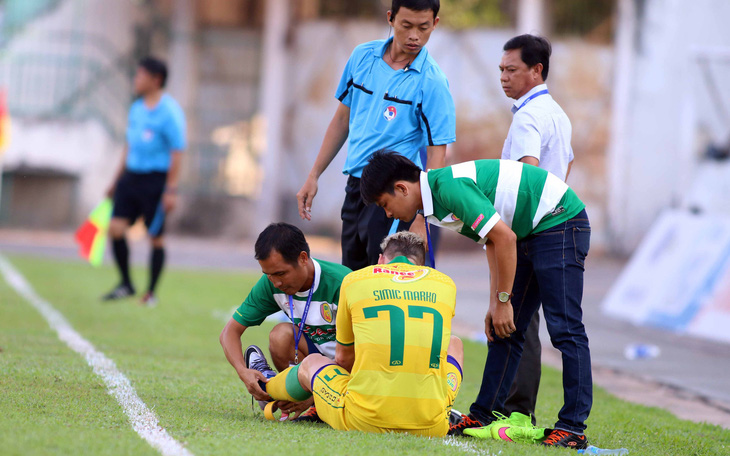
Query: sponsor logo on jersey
557	211
402	276
390	113
476	222
452	380
326	312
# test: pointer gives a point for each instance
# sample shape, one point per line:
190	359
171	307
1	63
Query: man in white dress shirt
539	135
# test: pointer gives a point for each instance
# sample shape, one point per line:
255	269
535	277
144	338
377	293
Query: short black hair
533	50
155	67
415	5
286	239
381	173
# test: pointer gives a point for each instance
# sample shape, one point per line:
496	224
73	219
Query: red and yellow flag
91	235
4	123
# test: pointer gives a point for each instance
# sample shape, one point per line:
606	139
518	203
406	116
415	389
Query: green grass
52	403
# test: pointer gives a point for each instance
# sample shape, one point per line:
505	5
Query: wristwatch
503	296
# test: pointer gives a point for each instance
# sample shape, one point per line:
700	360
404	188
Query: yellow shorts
329	389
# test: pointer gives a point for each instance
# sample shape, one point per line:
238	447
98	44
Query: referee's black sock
157	260
121	256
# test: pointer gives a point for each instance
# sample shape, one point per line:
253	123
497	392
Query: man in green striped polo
306	289
536	235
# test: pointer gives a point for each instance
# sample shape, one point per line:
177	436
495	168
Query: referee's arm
334	139
169	198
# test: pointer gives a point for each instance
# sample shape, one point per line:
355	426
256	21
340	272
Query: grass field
52	403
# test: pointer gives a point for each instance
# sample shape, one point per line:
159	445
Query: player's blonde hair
407	244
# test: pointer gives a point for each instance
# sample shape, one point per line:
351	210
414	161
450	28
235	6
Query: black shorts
363	228
140	195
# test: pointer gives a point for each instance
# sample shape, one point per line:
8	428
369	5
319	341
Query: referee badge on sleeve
390	113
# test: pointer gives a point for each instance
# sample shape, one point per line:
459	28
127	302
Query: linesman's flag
91	235
4	123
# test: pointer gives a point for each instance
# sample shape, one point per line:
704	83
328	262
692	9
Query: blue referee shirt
152	135
401	110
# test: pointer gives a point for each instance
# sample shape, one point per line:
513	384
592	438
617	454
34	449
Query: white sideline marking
461	444
143	420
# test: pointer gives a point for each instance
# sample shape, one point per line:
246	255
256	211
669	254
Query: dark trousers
550	268
522	396
363	228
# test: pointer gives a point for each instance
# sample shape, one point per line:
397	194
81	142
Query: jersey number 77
398	330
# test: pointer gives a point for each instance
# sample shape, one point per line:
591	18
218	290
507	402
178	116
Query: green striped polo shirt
471	197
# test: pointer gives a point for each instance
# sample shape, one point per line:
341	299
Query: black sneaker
467	421
565	439
455	417
255	359
120	292
310	416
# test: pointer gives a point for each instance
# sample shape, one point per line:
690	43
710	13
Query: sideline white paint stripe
143	420
460	443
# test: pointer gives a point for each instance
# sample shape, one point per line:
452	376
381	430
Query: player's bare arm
500	314
334	139
230	340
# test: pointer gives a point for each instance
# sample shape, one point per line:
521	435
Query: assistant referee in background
146	183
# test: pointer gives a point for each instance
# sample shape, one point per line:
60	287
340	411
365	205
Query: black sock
121	256
157	260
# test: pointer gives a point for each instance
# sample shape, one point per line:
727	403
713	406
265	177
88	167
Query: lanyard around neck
298	334
534	95
430	246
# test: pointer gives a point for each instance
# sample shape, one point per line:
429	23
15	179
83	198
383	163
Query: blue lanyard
534	95
298	334
430	246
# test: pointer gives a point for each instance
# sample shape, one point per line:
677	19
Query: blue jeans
550	268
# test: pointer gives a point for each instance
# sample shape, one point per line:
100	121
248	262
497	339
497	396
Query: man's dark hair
286	239
381	173
415	5
533	50
155	67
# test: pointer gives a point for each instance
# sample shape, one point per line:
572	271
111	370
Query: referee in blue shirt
146	183
392	96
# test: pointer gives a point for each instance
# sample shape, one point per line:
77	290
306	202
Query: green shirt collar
400	259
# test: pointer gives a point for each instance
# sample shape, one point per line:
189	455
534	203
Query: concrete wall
82	149
95	30
655	143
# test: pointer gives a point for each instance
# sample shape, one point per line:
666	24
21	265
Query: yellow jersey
398	316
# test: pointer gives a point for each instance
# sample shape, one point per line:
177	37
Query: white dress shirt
541	129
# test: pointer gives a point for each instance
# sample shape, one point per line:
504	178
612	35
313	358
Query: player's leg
354	254
317	374
151	192
281	346
454	370
126	210
559	258
523	394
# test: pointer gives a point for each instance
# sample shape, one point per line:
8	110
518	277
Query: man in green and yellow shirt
304	289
